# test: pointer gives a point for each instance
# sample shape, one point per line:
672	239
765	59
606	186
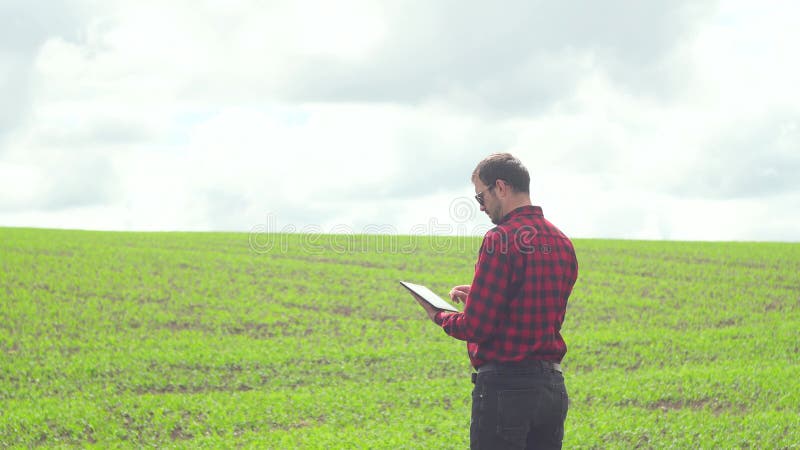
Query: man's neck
523	200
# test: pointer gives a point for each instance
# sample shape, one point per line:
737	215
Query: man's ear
502	186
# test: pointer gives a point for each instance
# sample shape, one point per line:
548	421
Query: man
513	313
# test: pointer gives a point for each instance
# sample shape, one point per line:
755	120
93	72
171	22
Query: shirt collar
527	210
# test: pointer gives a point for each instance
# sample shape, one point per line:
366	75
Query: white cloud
20	185
657	121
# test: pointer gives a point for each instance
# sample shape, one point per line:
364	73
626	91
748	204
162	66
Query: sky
676	120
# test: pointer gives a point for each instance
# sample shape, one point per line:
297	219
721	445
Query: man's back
525	272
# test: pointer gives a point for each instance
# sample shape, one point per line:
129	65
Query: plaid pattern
524	275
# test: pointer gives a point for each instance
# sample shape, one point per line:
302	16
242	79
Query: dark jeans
518	408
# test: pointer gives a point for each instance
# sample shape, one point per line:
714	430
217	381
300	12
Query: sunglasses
479	195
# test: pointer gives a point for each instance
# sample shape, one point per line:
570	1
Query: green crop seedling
203	340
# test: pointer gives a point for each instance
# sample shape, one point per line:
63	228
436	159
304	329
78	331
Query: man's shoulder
526	231
523	225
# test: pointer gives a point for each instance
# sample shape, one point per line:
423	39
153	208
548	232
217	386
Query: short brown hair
503	166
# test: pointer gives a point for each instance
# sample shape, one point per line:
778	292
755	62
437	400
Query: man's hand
429	309
459	293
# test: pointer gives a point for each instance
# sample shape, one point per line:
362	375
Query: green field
308	341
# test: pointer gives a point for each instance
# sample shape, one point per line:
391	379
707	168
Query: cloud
26	25
755	159
515	60
518	59
57	181
634	118
78	182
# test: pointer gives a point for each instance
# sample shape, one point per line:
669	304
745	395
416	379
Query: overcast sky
637	119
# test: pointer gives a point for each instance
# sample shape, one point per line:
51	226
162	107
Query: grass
227	340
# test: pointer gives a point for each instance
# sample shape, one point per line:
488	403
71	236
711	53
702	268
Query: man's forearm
451	324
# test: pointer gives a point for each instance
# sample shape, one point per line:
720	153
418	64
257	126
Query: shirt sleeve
486	301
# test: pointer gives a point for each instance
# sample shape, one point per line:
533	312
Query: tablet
428	295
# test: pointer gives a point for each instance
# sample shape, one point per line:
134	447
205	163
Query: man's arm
487	295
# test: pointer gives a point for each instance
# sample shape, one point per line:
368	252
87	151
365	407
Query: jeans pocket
515	410
564	401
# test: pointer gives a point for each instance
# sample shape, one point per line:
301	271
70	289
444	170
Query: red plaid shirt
524	275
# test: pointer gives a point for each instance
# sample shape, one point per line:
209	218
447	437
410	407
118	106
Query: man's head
502	184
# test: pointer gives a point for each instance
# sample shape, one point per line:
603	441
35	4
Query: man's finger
458	296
